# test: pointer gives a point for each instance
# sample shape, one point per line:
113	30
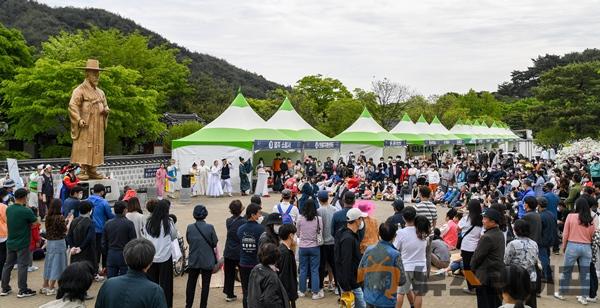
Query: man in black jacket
347	256
117	233
548	238
288	271
488	260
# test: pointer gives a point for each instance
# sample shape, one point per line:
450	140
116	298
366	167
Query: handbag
218	261
460	237
319	233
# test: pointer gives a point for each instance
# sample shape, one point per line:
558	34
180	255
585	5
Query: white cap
354	214
48	166
515	183
40	167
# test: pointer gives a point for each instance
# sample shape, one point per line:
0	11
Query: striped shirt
427	209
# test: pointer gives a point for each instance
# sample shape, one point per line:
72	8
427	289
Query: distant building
171	119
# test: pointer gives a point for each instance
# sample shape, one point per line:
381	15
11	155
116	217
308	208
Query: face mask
362	225
260	220
276	228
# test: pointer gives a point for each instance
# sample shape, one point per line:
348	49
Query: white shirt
162	245
469	242
433	177
284	207
412	249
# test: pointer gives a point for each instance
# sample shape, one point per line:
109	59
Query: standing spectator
231	254
412	244
161	231
515	287
73	283
527	192
71	204
265	288
371	226
533	218
133	289
471	226
3	228
135	215
326	212
347	255
548	238
552	199
397	218
574	191
117	233
577	237
426	207
101	213
81	237
309	226
440	254
272	224
523	252
449	231
595	169
340	217
380	261
249	233
47	191
55	261
288	272
285	207
488	260
19	219
202	239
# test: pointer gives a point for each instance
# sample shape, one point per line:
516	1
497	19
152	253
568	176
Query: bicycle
180	266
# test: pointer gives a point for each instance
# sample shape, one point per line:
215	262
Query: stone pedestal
111	185
185	196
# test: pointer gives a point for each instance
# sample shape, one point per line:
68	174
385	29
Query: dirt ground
444	292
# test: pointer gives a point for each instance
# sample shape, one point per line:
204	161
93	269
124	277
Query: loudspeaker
186	181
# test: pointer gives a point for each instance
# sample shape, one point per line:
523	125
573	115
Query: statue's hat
92	64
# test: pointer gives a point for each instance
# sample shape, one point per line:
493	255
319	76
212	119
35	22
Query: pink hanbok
161	177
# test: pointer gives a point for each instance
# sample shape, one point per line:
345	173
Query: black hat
21	193
349	197
398	204
492	214
273	219
200	212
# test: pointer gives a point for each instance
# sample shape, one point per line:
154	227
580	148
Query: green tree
39	98
179	131
265	108
14	52
158	66
346	111
571	96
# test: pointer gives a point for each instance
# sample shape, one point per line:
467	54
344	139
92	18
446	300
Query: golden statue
88	111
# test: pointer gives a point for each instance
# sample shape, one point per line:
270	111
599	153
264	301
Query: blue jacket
382	271
527	193
70	204
101	212
249	234
552	203
133	289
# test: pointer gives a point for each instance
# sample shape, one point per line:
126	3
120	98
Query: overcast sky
432	46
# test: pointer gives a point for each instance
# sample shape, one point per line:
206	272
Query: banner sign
318	145
394	143
150	172
277	145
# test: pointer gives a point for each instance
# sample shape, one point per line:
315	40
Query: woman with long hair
309	226
515	287
161	231
135	215
577	238
470	231
55	261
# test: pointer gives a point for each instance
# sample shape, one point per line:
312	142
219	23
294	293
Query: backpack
286	218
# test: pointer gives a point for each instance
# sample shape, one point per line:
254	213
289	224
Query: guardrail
28	165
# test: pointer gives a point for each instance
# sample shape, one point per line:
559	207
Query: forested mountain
38	21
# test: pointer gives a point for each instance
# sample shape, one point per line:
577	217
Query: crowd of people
504	218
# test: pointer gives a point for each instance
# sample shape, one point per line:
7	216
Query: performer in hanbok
194	184
161	178
245	173
214	181
226	177
70	180
262	180
171	179
202	179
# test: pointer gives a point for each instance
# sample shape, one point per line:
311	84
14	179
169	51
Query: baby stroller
180	266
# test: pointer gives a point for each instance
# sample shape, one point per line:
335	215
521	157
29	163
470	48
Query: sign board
277	145
13	172
318	145
394	143
150	172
